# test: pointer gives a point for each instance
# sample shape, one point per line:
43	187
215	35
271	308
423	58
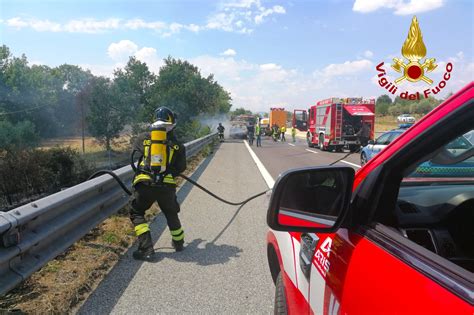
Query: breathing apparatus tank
158	148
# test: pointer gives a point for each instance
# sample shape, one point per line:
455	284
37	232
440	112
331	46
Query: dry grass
385	123
66	281
91	144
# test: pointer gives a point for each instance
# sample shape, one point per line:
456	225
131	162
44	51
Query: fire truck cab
335	123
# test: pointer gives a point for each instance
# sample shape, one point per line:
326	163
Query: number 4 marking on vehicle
326	246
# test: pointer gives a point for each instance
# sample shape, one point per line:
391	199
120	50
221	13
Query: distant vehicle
406	118
238	131
300	120
334	123
277	117
265	126
374	147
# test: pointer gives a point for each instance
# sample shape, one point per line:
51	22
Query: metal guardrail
34	234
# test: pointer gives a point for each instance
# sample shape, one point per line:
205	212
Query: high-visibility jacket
283	129
257	130
176	154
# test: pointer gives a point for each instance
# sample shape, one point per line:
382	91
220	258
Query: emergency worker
151	184
275	132
258	133
363	134
283	131
251	132
221	129
293	134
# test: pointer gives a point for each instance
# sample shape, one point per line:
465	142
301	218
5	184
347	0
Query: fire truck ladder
338	127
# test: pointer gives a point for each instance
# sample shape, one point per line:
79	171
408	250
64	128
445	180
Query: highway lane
281	156
223	269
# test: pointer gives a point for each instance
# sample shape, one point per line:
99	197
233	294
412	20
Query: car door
379	144
372	268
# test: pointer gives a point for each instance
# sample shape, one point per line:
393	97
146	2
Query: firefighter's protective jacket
176	159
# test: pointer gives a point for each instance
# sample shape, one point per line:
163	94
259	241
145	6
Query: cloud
261	86
229	52
37	25
120	52
122	49
241	16
136	24
276	9
91	25
347	68
368	54
73	26
150	56
269	67
235	16
400	7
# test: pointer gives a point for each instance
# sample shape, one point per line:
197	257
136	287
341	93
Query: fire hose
124	187
241	203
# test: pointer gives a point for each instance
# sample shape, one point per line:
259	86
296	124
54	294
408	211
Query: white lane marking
265	174
311	151
291	144
353	164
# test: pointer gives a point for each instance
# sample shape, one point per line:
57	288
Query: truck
277	117
300	120
333	123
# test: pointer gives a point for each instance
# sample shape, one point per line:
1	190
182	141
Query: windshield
454	161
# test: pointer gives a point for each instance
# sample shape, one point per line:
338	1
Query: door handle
307	249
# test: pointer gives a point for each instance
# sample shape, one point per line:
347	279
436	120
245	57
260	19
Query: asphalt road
281	156
224	266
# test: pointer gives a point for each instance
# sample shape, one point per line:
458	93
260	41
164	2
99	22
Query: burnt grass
65	282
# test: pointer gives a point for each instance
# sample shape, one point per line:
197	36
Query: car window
436	201
384	139
393	136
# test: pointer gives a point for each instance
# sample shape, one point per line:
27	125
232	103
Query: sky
265	53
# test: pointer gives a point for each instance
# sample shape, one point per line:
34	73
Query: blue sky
266	53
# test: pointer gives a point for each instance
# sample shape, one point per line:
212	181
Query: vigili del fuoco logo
414	69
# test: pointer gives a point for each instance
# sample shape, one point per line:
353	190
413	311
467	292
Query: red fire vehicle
334	123
395	237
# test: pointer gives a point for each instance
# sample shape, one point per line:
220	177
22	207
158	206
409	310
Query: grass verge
65	282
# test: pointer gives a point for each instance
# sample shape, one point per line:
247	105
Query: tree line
39	102
384	105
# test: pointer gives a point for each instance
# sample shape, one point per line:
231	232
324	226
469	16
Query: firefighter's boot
145	249
177	239
178	245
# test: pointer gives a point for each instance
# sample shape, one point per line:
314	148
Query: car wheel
280	297
363	159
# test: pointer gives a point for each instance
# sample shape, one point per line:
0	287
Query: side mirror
371	142
312	199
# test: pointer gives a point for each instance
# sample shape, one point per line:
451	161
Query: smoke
213	121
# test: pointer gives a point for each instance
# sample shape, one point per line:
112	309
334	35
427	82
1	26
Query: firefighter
293	134
363	134
283	131
161	158
275	132
221	129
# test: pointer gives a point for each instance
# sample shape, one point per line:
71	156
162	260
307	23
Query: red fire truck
333	123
